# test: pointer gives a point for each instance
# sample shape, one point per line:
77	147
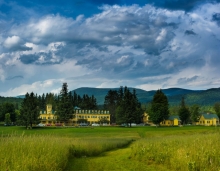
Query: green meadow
191	148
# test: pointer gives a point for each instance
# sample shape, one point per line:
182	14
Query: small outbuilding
208	120
172	120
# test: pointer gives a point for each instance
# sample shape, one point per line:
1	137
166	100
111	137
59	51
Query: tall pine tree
184	113
111	104
128	107
65	107
29	114
159	108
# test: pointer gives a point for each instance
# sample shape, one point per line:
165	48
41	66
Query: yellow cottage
208	120
171	121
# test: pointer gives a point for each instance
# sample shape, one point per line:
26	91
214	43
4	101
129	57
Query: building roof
210	116
172	117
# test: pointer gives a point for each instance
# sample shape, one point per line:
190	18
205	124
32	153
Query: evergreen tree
43	102
128	108
217	108
1	113
159	108
75	99
87	102
184	113
194	111
65	107
138	112
111	104
29	113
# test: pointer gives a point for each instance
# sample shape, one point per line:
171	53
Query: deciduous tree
7	119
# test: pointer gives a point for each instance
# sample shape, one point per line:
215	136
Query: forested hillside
201	97
13	100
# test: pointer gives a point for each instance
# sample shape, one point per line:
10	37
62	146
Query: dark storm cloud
190	32
187	80
29	59
216	18
40	58
20	48
15	77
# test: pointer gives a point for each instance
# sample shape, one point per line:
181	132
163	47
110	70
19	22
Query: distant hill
201	97
13	100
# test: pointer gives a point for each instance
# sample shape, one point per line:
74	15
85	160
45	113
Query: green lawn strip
111	161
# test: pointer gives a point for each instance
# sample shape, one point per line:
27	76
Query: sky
146	44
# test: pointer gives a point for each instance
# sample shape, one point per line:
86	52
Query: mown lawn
109	148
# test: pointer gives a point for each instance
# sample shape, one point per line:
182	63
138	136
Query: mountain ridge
174	95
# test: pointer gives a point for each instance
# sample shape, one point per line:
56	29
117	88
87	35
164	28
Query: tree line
29	111
123	105
159	110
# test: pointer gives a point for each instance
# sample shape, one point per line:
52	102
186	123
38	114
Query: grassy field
110	148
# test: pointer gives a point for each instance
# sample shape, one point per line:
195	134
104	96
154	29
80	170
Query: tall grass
186	152
30	153
48	152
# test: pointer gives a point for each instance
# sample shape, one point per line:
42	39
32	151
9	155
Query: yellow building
87	117
91	116
171	121
48	117
146	120
208	120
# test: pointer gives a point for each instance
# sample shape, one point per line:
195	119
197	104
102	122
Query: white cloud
145	47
